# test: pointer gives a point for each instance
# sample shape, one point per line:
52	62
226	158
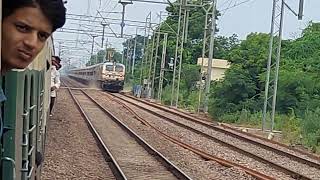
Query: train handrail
13	163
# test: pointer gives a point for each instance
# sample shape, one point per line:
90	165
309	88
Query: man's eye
22	28
43	36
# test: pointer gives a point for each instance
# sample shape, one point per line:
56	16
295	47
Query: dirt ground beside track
71	151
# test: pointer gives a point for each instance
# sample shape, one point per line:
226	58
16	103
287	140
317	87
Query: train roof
89	67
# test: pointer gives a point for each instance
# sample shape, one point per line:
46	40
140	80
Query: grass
303	130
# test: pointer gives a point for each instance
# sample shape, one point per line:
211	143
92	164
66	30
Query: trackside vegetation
238	98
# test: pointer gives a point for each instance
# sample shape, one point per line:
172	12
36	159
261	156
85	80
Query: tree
139	47
101	57
243	86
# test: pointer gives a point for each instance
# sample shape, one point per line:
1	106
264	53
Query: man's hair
56	61
57	58
54	10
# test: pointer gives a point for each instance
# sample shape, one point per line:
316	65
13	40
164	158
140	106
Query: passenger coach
25	114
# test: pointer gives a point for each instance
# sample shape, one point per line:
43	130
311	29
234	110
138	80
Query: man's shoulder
54	71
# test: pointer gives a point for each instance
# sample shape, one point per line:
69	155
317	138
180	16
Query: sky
249	16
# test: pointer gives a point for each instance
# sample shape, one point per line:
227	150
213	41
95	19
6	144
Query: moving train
25	114
109	75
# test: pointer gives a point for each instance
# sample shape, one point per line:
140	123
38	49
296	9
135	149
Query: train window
109	67
119	68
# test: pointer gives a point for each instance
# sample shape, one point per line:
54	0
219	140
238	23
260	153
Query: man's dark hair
54	10
57	58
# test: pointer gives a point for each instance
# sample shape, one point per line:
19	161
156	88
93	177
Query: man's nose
31	41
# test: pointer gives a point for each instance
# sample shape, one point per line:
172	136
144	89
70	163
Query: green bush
229	118
166	95
291	129
311	129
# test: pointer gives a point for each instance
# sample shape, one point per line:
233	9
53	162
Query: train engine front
112	78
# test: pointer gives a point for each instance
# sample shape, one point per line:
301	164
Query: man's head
56	62
56	58
26	25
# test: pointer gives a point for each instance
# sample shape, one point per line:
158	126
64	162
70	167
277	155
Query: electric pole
205	45
123	3
183	16
128	63
150	65
156	57
273	65
145	45
134	51
93	37
163	62
155	62
122	55
104	24
208	79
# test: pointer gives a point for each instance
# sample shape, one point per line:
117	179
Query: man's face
24	34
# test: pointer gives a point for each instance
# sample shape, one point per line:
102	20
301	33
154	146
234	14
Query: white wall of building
219	66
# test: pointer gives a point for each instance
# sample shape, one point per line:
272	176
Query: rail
169	166
235	148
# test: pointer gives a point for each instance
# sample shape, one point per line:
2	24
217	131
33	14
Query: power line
229	5
150	1
97	17
236	5
93	34
114	7
224	3
114	23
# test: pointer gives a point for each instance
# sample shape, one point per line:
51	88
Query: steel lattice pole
134	52
176	57
151	61
277	68
208	80
145	47
270	65
163	61
155	64
203	56
181	53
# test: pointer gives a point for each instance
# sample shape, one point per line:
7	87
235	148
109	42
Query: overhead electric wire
229	5
112	23
236	5
224	3
83	32
116	19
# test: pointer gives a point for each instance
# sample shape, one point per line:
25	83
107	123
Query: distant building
219	66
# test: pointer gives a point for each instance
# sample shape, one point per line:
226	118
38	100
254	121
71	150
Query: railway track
128	154
266	143
201	153
288	159
71	83
295	166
